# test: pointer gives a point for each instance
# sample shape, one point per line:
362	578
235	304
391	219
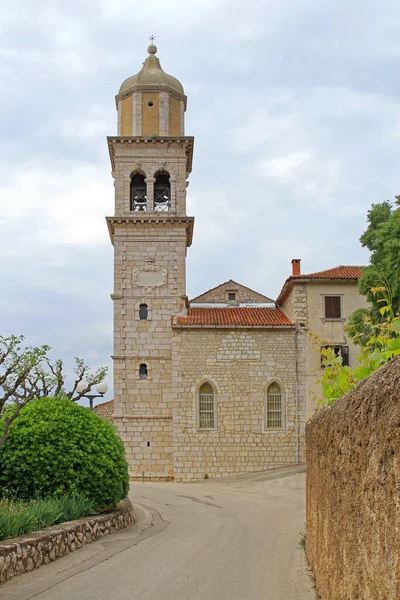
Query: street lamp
101	388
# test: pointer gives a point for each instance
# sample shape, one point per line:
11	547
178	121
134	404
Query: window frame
215	409
282	426
338	348
324	299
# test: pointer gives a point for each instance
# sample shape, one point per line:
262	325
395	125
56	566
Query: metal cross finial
152	38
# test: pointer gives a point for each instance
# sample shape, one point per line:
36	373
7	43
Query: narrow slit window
143	371
143	312
274	407
207	418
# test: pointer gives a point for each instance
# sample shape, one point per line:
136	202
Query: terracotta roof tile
231	317
341	272
105	410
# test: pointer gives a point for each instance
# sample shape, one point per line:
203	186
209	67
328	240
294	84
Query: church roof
151	74
105	410
247	294
342	272
234	317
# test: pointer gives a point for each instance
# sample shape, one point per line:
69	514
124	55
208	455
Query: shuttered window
333	307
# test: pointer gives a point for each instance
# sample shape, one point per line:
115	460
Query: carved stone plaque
150	276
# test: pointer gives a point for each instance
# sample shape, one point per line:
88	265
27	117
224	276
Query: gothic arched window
143	371
207	414
143	312
162	192
274	407
138	192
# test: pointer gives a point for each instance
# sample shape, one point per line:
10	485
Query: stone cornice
151	219
187	141
159	87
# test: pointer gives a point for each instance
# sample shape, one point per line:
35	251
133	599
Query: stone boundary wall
23	554
353	491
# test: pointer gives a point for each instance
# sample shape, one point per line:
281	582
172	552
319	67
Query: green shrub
57	447
18	518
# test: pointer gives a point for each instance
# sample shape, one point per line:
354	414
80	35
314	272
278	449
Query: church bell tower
151	160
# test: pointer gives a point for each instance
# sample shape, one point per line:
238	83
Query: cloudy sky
295	107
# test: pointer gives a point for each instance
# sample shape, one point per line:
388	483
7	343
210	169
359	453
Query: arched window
206	407
143	371
274	407
138	192
162	192
143	312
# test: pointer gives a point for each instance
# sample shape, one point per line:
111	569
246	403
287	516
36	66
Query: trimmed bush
57	447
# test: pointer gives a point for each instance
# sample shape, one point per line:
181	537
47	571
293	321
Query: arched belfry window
143	312
143	371
138	192
274	407
207	414
162	192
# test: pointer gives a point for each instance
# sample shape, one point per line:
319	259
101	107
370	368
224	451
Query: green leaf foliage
57	447
18	518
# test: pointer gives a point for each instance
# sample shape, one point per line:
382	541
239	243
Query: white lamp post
101	389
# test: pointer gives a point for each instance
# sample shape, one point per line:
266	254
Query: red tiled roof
231	317
105	410
343	272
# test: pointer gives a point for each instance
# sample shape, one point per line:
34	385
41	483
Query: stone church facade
202	388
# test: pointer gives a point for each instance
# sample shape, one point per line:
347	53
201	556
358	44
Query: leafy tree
27	373
382	238
57	447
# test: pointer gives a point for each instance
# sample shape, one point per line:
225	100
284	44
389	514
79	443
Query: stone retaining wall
353	491
29	552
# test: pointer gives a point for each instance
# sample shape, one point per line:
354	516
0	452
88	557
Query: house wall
329	332
240	364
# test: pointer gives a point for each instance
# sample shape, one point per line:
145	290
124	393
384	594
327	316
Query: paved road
213	540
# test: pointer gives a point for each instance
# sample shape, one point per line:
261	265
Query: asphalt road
215	540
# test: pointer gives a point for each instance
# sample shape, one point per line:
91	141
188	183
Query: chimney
296	266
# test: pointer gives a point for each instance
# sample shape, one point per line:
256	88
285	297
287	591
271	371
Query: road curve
234	539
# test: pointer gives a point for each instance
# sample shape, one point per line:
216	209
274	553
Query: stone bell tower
151	160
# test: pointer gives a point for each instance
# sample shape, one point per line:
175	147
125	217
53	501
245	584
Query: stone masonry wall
142	407
23	554
240	364
353	491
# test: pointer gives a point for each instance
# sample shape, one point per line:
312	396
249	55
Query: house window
339	350
143	371
333	307
207	413
274	407
143	312
231	296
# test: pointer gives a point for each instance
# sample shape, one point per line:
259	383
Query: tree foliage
57	447
27	373
382	238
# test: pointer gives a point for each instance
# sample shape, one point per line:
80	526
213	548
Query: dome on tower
151	74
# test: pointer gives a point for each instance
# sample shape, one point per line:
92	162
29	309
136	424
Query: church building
216	385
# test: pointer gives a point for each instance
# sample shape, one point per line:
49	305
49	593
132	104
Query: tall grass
18	518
